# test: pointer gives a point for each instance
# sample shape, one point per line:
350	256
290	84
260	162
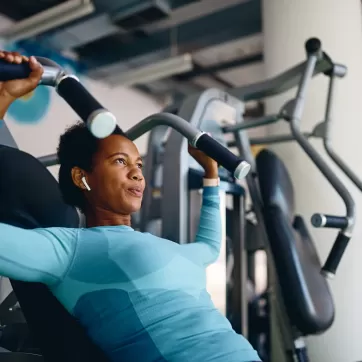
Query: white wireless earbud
86	184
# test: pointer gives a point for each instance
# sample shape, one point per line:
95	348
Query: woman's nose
137	176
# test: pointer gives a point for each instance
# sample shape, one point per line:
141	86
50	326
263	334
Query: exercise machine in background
306	300
297	282
321	131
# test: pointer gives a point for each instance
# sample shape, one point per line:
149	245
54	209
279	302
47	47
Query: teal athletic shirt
139	297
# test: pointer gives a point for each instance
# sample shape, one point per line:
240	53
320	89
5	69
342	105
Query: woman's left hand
209	165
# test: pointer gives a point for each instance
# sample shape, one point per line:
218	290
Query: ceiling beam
235	63
200	70
232	23
193	11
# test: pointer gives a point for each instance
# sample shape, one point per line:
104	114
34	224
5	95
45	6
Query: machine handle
330	267
10	71
329	221
99	120
223	156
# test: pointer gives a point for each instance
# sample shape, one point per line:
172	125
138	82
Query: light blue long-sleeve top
139	297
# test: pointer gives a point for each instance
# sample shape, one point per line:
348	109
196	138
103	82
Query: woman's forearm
206	246
212	173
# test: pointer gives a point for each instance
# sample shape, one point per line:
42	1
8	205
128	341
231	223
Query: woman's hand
209	165
13	89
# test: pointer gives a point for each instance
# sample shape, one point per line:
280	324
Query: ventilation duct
141	14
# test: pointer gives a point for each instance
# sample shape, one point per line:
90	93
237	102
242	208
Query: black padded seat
307	297
30	198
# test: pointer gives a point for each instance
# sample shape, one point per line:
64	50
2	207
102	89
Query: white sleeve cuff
209	182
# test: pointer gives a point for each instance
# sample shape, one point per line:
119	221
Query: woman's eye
140	165
121	160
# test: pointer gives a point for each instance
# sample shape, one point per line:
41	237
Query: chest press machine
30	198
285	239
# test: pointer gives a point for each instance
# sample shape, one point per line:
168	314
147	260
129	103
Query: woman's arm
206	247
39	255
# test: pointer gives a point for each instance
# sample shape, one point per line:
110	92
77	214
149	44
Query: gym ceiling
223	36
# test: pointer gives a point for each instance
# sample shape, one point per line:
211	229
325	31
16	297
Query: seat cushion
30	198
306	294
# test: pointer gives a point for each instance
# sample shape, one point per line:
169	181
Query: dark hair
77	147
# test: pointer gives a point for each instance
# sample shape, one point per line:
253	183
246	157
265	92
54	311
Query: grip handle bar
238	167
329	221
99	120
330	267
314	52
10	71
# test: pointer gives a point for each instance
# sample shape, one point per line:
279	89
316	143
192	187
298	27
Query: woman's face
116	180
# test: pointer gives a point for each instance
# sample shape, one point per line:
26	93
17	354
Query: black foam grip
336	222
331	221
82	102
336	253
218	152
10	71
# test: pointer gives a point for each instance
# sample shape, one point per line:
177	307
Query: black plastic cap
313	45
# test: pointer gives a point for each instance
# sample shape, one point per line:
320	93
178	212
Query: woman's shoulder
58	232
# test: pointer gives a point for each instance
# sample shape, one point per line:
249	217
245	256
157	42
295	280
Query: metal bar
253	123
150	174
308	148
240	301
272	139
163	119
326	139
276	139
50	76
281	83
49	160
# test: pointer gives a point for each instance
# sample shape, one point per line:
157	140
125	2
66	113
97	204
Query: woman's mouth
135	191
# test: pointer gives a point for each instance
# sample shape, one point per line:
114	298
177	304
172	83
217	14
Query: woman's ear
77	175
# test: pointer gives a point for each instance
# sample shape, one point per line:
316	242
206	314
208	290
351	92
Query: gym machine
59	335
272	193
298	285
321	131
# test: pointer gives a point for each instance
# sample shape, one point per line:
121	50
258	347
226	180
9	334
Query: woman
139	297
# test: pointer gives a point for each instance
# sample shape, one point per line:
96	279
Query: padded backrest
276	183
30	198
305	291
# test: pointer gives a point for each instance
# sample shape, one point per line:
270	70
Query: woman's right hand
13	89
